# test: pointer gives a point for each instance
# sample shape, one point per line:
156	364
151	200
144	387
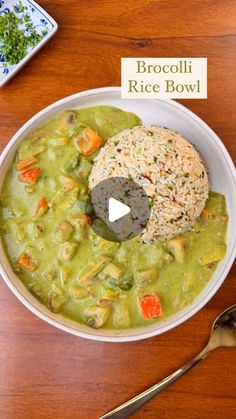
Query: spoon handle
126	409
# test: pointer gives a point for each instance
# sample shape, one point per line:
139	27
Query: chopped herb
172	221
127	192
151	202
155	159
17	34
130	177
186	175
116	142
170	187
150	133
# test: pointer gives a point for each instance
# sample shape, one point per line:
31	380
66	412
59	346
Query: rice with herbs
169	169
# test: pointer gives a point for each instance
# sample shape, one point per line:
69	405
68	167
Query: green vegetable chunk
96	316
64	231
67	251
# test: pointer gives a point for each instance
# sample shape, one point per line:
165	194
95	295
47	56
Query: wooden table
45	373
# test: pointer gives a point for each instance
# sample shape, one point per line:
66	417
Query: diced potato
190	281
176	248
216	204
64	231
180	301
96	316
64	198
65	274
34	145
113	270
206	216
146	276
89	272
63	141
39	149
110	293
80	223
216	253
79	292
68	182
57	299
121	316
105	246
80	220
66	121
19	229
84	167
67	251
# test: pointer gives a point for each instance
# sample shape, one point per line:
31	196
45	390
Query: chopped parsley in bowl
17	34
24	28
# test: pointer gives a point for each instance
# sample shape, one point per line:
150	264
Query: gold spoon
223	333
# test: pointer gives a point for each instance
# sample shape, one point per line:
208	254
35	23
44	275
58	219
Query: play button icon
116	210
121	209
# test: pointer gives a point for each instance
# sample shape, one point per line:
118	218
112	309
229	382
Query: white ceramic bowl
222	178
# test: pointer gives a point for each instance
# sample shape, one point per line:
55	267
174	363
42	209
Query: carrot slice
89	142
30	176
42	207
150	306
24	164
27	263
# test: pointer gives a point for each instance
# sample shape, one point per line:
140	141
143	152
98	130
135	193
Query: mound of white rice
167	166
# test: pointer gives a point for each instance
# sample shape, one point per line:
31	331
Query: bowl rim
142	334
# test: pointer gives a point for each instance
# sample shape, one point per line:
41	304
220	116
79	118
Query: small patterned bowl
42	22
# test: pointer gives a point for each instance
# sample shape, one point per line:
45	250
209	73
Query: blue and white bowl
42	22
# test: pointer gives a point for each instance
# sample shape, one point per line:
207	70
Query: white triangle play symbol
116	209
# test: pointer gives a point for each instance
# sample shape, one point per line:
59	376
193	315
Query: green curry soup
46	217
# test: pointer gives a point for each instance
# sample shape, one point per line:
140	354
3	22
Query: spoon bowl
224	329
223	333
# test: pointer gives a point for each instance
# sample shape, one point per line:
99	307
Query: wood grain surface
45	373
